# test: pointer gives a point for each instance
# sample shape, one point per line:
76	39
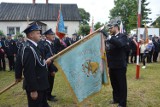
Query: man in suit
10	50
34	69
49	51
116	55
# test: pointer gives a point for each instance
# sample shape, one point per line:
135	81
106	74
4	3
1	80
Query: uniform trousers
41	101
51	83
119	85
11	62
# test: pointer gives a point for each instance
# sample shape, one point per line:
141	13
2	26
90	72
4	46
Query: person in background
10	50
49	51
57	45
67	41
128	48
133	45
156	48
2	57
74	38
142	49
148	49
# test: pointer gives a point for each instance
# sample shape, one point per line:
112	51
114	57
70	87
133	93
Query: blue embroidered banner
82	68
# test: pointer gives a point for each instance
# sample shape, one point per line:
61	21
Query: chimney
34	2
46	1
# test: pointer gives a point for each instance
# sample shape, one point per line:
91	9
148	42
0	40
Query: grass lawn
144	92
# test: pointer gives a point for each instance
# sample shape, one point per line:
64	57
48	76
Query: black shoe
52	96
113	102
52	99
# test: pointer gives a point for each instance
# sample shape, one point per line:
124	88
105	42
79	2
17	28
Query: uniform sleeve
47	52
119	43
52	68
29	70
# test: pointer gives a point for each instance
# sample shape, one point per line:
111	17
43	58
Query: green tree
156	23
1	33
84	25
98	25
127	10
145	12
84	29
84	15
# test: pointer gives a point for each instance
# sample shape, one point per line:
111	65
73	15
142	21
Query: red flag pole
139	25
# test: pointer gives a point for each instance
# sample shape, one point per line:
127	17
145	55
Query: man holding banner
116	55
34	69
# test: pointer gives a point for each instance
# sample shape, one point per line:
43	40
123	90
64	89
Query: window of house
17	30
13	30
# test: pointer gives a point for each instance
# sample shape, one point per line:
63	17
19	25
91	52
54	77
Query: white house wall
72	26
4	25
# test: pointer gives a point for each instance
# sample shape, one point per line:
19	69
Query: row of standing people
152	53
9	48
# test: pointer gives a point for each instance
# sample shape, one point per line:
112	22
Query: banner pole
73	45
8	87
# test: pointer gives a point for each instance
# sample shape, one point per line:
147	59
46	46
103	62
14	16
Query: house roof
41	12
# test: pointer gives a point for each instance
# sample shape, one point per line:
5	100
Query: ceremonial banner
145	34
60	29
83	67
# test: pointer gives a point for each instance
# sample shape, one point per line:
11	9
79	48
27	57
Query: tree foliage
84	25
127	10
98	25
156	23
84	15
84	29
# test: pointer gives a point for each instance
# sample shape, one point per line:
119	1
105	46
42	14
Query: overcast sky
99	9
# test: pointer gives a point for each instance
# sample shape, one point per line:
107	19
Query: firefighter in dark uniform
116	55
49	51
74	38
58	45
34	69
10	50
19	44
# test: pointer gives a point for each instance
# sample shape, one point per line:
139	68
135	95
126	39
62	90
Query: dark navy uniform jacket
67	40
48	51
57	45
10	47
116	51
35	71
